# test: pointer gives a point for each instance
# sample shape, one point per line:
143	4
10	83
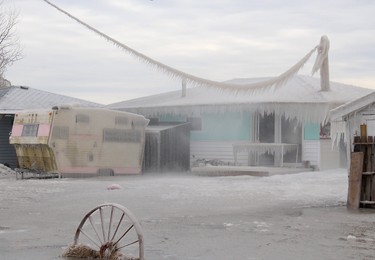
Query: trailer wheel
111	230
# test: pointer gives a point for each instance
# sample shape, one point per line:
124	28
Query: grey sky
218	40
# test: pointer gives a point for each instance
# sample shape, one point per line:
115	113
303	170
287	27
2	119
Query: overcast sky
213	39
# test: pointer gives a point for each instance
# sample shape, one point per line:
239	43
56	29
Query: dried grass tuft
81	251
84	251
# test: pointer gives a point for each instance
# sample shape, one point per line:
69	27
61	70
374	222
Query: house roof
340	115
15	98
300	97
353	106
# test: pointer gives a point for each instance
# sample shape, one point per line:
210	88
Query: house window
81	118
266	128
121	135
325	131
30	130
195	123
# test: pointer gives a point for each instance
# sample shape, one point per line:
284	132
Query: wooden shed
347	119
354	122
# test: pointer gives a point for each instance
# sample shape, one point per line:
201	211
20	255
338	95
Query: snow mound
5	171
114	187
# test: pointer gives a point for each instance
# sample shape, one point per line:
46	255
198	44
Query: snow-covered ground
6	171
294	216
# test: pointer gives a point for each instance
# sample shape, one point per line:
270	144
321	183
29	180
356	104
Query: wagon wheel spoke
90	238
132	243
118	225
102	223
124	234
110	224
96	231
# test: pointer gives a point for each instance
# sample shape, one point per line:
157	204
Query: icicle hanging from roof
198	81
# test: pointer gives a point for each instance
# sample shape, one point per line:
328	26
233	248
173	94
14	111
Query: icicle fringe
338	132
259	149
194	80
303	112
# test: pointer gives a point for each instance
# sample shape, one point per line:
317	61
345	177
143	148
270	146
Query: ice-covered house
270	127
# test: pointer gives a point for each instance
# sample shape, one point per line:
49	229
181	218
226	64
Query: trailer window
30	130
60	132
121	135
121	120
81	118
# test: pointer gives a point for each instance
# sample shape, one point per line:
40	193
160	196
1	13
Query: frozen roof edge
303	112
353	106
179	91
305	78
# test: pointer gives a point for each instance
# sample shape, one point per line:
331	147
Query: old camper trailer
75	141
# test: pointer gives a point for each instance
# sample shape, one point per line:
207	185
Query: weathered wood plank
369	159
355	180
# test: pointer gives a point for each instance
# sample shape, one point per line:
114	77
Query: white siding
321	154
311	152
330	155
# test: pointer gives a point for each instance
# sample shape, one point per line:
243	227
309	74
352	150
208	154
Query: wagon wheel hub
107	249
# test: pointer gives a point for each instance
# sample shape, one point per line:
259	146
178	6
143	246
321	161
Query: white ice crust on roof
301	98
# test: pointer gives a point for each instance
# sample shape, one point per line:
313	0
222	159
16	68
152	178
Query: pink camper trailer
75	141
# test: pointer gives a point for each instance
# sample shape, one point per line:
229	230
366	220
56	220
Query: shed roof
15	98
353	106
300	97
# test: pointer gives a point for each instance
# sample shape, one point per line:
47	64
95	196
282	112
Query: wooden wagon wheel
111	229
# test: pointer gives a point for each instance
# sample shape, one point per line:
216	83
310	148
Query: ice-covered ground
6	171
291	216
